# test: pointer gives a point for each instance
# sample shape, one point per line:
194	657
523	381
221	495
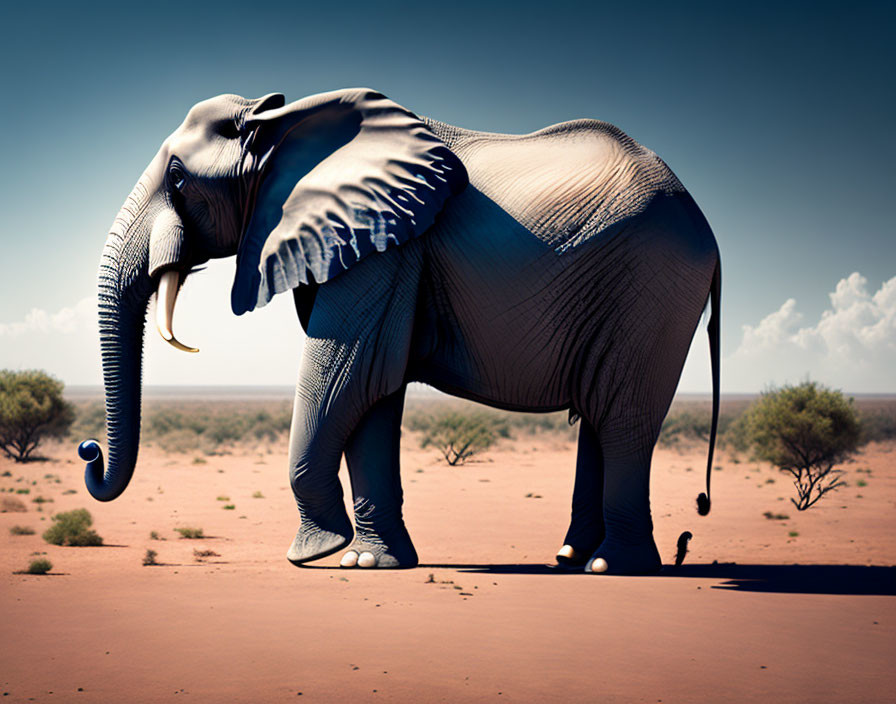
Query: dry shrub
10	504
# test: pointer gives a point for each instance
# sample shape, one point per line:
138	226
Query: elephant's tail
714	332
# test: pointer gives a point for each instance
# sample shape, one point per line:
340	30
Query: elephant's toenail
366	560
599	565
350	559
568	552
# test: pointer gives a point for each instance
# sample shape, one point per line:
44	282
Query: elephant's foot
620	559
569	557
315	540
579	545
373	551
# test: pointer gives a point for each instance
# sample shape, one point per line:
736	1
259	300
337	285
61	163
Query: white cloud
852	346
79	317
767	336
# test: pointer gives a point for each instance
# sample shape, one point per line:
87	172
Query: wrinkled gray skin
563	269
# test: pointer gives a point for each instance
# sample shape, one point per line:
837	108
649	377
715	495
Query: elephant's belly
513	323
490	330
505	374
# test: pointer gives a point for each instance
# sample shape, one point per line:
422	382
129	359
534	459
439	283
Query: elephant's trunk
124	290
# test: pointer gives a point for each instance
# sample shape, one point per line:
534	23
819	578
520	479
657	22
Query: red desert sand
763	609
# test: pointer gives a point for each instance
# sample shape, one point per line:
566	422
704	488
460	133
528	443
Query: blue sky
778	118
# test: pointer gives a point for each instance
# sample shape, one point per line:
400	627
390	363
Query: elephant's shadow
782	579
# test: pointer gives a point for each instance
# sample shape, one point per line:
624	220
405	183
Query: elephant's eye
229	129
176	176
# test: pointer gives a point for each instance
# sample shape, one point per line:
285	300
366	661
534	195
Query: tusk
167	295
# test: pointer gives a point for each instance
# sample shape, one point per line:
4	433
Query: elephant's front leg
355	356
322	421
372	455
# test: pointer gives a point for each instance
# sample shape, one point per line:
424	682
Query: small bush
200	555
41	500
229	507
154	535
776	516
223	498
191	533
23	491
806	431
257	495
150	558
21	530
10	504
458	436
73	528
39	566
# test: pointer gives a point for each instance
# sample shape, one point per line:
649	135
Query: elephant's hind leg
586	528
628	546
372	455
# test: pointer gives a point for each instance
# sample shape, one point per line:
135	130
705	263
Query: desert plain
795	609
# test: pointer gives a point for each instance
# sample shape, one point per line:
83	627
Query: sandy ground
797	610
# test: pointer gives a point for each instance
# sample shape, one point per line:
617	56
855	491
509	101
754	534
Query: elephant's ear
342	175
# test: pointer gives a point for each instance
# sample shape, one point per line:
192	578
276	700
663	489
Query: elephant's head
298	192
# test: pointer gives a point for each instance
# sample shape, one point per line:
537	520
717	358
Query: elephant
563	269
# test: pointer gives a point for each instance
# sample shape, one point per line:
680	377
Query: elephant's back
566	183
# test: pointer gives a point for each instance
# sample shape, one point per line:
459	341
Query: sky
777	117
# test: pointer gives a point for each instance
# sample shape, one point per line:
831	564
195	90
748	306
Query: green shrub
458	436
257	495
804	430
229	507
419	416
39	566
150	558
31	408
73	528
190	533
21	530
